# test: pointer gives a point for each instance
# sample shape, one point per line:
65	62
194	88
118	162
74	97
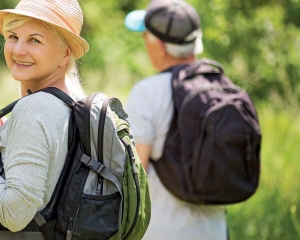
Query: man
172	35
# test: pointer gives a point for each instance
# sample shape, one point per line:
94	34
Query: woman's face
33	54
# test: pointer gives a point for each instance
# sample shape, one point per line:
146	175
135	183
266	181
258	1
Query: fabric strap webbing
7	235
39	219
102	170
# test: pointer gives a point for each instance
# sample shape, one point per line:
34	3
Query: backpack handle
212	63
204	66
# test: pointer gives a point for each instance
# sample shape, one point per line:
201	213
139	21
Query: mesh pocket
97	218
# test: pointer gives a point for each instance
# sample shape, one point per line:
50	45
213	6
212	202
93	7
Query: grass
273	212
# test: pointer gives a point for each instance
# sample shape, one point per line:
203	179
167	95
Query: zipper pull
99	186
69	230
69	235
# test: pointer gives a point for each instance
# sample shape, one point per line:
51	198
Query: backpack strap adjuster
92	163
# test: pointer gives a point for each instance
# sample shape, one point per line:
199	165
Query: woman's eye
12	37
34	40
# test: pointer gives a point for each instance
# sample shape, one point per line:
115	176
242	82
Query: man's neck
171	62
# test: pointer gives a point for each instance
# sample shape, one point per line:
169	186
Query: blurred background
258	44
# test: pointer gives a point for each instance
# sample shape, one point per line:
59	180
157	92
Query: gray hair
183	50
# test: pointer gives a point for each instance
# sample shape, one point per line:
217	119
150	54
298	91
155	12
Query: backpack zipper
101	127
74	211
249	119
70	228
87	111
224	104
204	89
102	118
71	224
86	115
221	104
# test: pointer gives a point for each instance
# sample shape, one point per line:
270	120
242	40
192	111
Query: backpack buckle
92	163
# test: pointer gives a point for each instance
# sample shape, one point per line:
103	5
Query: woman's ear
66	57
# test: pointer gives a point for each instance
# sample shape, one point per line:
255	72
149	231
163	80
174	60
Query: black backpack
212	149
102	192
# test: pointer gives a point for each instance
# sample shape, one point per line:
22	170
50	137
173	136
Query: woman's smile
23	63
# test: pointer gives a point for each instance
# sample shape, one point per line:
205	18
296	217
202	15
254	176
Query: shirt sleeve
150	109
140	115
26	163
2	181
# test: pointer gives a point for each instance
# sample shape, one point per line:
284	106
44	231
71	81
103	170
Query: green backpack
102	192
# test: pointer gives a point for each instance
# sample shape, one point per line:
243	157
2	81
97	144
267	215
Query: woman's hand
2	121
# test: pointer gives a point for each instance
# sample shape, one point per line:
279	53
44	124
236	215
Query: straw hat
65	15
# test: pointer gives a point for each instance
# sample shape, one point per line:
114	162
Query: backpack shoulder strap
8	109
60	95
52	90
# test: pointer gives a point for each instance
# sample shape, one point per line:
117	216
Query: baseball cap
172	21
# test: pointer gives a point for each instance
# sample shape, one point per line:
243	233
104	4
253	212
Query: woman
42	43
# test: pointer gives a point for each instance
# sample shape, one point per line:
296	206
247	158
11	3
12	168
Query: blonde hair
182	50
72	77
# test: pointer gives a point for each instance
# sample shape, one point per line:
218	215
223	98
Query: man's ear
162	47
66	57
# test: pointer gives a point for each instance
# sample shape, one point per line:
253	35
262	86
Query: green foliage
273	211
258	43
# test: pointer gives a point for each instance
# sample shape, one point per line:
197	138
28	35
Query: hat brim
134	20
78	45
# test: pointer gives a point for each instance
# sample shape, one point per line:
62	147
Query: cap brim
134	21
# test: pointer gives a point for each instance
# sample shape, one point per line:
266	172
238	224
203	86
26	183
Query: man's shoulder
158	85
154	80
